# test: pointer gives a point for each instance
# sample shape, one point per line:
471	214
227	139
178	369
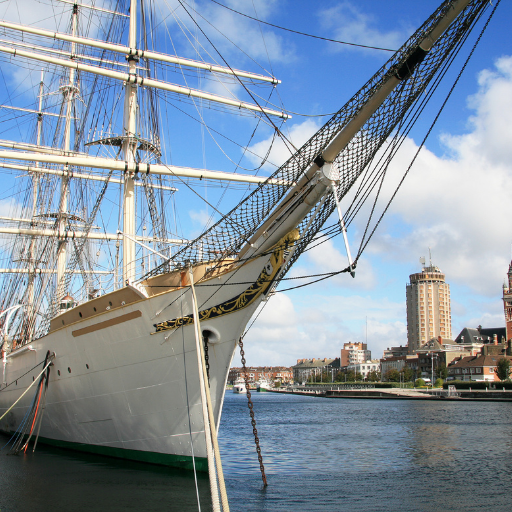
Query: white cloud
319	324
458	204
200	217
326	258
257	41
298	134
54	16
346	22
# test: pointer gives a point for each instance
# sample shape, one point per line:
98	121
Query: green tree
358	376
419	383
407	374
374	376
442	371
438	383
351	376
392	375
503	368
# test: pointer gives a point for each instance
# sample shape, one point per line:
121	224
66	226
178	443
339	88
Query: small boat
239	386
263	385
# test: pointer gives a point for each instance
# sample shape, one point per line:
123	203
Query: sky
454	203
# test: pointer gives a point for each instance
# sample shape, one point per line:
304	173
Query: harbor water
319	454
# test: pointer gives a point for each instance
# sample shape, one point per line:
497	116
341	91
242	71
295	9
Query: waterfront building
354	353
439	353
255	373
475	368
307	367
364	368
398	363
507	302
395	352
481	336
428	307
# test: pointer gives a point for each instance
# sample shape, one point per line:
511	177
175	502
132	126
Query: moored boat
239	386
263	385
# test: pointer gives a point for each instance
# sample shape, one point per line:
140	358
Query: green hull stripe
162	459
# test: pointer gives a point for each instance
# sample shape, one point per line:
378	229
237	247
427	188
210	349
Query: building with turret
507	302
428	307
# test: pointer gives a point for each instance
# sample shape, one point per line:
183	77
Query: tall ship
116	328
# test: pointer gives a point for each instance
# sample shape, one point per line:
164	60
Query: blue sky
455	200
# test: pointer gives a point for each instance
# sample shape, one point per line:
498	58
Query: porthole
110	304
86	365
62	322
80	314
94	309
58	371
69	369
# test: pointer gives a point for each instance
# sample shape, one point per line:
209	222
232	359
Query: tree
373	376
407	374
438	383
503	368
419	383
392	375
350	376
442	371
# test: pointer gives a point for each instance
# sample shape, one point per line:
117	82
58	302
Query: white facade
365	367
354	353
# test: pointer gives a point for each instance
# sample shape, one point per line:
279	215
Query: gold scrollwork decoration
248	296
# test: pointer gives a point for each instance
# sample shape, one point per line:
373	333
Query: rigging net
226	238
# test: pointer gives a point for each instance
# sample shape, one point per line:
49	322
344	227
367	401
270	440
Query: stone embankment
327	391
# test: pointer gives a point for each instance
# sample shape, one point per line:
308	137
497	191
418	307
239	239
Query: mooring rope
26	391
209	419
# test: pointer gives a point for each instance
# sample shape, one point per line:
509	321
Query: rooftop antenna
422	262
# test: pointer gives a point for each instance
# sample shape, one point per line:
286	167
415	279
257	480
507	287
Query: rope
303	33
188	410
25	392
21	376
209	420
363	246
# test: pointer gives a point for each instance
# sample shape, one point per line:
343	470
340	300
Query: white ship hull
118	387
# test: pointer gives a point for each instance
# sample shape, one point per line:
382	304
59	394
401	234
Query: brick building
475	368
271	373
507	302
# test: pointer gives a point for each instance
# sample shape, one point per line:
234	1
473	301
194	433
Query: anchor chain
251	412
